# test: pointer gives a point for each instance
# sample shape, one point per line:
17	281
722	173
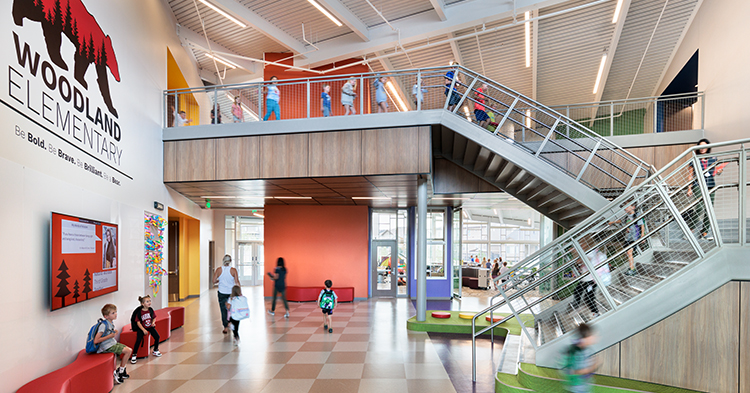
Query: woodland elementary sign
51	89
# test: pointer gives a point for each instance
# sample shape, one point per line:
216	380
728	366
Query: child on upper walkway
327	302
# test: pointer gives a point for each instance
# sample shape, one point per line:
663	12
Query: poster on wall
84	259
61	86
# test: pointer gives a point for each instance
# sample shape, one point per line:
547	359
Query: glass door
384	264
250	263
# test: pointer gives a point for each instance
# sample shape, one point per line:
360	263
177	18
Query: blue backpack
90	346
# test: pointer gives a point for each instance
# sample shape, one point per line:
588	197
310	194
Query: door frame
375	274
256	254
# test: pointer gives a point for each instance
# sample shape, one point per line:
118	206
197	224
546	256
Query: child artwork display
84	259
153	226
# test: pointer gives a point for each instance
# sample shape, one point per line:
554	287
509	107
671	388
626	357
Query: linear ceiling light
394	93
528	118
599	74
617	11
223	13
373	198
259	215
219	197
325	12
222	61
448	198
527	29
292	197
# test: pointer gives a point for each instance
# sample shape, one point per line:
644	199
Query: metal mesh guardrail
693	205
551	136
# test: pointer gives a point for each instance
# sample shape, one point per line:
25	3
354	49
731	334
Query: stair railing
680	224
528	125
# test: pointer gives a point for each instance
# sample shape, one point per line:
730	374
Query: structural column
421	249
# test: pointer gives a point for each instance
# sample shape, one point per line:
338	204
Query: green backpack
327	300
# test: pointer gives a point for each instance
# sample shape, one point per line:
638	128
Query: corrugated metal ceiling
570	46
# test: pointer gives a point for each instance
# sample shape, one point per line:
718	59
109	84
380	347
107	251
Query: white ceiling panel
500	55
570	51
391	9
290	15
640	24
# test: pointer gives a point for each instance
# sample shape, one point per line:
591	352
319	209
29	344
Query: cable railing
532	127
695	204
678	112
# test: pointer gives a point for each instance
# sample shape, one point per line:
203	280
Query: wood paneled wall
320	154
705	346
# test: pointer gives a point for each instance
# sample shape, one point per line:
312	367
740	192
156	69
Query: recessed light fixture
223	13
527	29
373	198
259	215
325	12
292	197
618	8
528	118
494	211
599	74
222	61
397	96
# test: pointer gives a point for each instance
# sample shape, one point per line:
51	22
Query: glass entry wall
456	251
389	250
243	240
485	237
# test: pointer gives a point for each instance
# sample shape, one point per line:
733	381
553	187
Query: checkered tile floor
370	350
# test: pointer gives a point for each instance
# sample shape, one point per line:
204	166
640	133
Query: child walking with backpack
579	362
143	322
238	310
327	302
104	341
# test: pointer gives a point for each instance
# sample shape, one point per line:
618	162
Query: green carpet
529	374
454	324
508	383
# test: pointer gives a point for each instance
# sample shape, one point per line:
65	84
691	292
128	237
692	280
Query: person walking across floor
226	276
279	287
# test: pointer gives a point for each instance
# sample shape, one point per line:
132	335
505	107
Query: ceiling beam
261	24
418	28
677	46
351	21
611	54
191	39
439	7
454	48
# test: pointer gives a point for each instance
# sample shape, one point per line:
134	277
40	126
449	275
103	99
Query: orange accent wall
317	243
176	80
293	101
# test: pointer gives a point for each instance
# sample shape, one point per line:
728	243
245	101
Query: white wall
719	32
35	182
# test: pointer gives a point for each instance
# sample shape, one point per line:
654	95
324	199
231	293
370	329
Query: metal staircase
541	157
695	226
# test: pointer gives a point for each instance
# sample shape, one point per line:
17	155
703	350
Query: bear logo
70	17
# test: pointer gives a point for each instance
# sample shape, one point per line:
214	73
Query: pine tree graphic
75	291
86	283
63	285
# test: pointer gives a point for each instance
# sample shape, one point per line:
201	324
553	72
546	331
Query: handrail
603	163
660	197
633	100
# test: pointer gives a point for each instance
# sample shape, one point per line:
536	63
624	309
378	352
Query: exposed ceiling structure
551	50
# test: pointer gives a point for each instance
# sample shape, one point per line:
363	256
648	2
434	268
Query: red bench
88	373
310	294
176	314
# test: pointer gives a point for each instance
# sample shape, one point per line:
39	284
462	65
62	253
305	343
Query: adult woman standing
279	287
226	276
708	170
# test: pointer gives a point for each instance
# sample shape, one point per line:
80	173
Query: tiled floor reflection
370	350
